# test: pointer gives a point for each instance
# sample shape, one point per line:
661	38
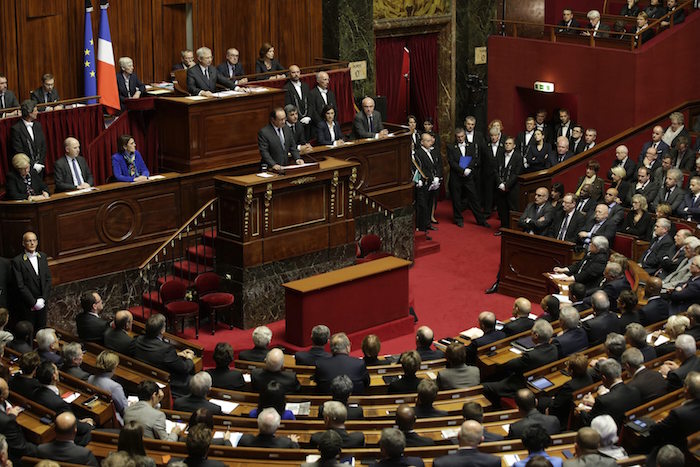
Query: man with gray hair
424	339
648	382
572	337
688	293
341	389
605	321
601	224
334	416
261	339
471	434
681	421
319	338
685	352
595	27
521	320
72	359
694	316
392	444
203	77
319	97
268	423
636	336
682	272
273	370
587	444
661	246
200	384
589	270
671	192
670	456
341	363
47	345
613	284
616	401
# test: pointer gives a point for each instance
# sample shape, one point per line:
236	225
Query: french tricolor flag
106	73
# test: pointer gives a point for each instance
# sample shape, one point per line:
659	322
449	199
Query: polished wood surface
213	132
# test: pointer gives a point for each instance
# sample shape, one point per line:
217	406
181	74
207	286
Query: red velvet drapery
389	53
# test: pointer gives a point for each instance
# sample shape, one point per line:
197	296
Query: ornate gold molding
302	180
268	198
334	188
351	191
246	218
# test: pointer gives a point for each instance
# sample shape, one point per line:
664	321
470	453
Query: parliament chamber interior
364	232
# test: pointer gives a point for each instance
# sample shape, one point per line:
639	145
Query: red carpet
447	287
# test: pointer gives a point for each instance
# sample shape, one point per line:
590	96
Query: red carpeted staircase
423	246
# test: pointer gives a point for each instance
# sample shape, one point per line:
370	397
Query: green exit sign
544	86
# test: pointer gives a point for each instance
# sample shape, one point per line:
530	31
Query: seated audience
267	62
371	347
319	338
203	78
5	336
661	173
685	353
487	323
561	403
693	313
231	67
274	371
107	363
646	158
569	222
643	32
670	456
268	423
601	224
572	338
589	271
521	320
595	27
46	93
329	447
474	411
636	337
424	339
471	434
630	8
8	99
131	442
405	421
146	413
118	337
392	444
205	417
613	284
627	307
341	390
675	256
328	131
72	172
186	60
128	83
538	215
457	374
408	382
368	122
596	185
127	164
649	383
24	182
536	439
607	429
614	347
261	340
23	337
550	307
273	396
688	293
656	308
63	448
587	444
619	398
341	363
426	395
198	441
655	10
671	192
72	359
577	293
675	326
222	376
681	421
677	129
605	321
530	416
297	128
25	382
16	444
48	346
683	154
661	244
200	384
91	327
334	416
622	161
638	221
690	206
645	186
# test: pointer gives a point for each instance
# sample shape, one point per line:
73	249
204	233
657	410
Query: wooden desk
363	296
213	132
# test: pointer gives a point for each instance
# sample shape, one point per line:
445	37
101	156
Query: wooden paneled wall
40	36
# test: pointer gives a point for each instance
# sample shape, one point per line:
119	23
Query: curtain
424	76
99	153
389	52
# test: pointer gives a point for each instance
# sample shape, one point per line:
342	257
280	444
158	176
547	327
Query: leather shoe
485	224
428	237
497	234
460	223
493	288
432	228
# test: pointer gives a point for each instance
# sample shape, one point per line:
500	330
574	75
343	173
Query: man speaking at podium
276	142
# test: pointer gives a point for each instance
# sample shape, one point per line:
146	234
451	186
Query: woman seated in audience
204	416
107	362
593	179
267	62
627	307
410	363
328	131
457	375
370	351
5	336
618	174
23	337
638	221
643	30
273	396
550	306
663	211
630	9
561	403
655	10
131	442
607	429
24	182
127	164
223	376
555	196
675	326
536	154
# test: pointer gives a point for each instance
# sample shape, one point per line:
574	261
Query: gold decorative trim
334	187
351	189
302	180
268	198
246	217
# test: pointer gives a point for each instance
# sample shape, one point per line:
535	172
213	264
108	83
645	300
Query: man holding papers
464	160
276	142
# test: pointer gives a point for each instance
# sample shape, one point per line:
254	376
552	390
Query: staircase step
202	253
152	300
209	237
141	313
189	269
170	277
423	247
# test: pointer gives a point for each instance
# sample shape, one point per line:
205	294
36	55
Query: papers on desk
293	166
228	93
298	408
265	175
196	98
532	316
156	92
511	459
160	385
506	427
561	298
70	397
156	177
132	400
226	406
431	375
247	378
662	339
591	316
559	277
169	425
234	436
449	433
81	191
516	351
257	89
472	333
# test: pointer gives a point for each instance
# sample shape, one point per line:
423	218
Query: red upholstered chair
369	247
172	293
213	301
623	244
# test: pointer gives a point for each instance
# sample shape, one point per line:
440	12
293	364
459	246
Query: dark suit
17	444
16	188
267	441
431	168
428	411
21	141
91	328
5	280
612	289
64	177
542	354
413	439
225	378
675	197
520	144
260	378
470	457
661	149
615	403
554	158
486	339
549	422
649	191
573	226
316	104
163	355
40	96
76	372
301	103
654	311
310	356
688	295
659	248
507	201
577	147
534	224
572	341
24	385
599	327
134	85
256	354
560	130
49	399
680	423
427	353
607	229
197	82
233	72
119	341
630	170
590	269
323	133
199	462
360	125
641	229
518	325
649	383
404	385
561	404
30	286
271	150
9	101
463	188
350	440
67	451
402	461
299	133
676	378
341	364
191	403
690	208
602	32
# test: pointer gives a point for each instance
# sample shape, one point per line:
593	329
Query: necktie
564	226
668	193
206	73
580	205
655	145
651	248
594	229
46	98
76	169
2	101
281	135
371	124
128	91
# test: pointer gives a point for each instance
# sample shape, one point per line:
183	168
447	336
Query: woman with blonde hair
24	182
638	221
107	363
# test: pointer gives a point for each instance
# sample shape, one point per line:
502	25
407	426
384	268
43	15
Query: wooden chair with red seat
172	293
213	301
369	248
